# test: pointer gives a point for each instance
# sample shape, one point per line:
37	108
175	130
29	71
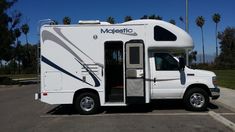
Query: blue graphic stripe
97	83
50	63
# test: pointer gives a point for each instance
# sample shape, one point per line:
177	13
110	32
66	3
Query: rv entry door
135	72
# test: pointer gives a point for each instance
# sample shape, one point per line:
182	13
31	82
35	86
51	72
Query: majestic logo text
125	31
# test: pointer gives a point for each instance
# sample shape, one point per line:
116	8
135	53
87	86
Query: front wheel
87	103
196	99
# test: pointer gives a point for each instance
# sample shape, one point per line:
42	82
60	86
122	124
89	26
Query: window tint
161	34
164	61
134	55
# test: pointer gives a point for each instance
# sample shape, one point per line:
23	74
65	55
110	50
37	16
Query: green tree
216	18
172	21
144	17
7	23
66	20
152	16
158	17
127	18
110	20
227	46
192	56
200	21
155	17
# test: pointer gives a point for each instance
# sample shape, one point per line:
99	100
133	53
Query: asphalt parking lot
20	112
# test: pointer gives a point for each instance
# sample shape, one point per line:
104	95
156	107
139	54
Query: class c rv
93	64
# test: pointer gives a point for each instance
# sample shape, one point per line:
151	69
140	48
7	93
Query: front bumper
215	93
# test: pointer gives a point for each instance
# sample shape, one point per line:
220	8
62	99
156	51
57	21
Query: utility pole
186	16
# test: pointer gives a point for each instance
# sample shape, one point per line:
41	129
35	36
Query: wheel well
202	86
84	90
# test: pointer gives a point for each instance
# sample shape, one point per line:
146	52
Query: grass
16	76
12	79
226	78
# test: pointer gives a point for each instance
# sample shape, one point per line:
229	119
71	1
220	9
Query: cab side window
164	61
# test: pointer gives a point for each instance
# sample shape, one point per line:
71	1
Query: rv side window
161	34
164	61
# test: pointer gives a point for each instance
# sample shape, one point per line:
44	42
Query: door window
134	55
164	61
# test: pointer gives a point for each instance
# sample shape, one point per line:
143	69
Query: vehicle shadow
166	106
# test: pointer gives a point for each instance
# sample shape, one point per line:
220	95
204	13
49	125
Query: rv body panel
87	56
74	55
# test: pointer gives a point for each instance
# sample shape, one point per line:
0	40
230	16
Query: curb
225	105
222	101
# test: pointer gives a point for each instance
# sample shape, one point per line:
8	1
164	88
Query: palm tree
25	30
182	20
17	34
110	20
127	18
172	21
66	20
54	22
200	22
216	19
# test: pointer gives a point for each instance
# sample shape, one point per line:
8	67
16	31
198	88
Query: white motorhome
93	64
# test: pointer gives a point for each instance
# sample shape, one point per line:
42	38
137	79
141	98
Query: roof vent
89	22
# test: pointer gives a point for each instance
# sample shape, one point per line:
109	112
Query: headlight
214	80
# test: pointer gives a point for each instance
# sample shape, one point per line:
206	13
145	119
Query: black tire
193	99
92	107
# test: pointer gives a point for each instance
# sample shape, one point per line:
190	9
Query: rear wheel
196	99
87	103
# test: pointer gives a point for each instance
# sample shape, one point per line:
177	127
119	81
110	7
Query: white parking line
222	120
134	114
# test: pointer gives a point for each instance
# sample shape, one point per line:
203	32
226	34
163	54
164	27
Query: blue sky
35	10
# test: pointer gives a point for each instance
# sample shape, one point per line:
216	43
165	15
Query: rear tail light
44	93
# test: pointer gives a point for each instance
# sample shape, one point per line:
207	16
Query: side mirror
181	63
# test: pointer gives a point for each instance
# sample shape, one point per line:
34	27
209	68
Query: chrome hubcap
197	100
87	103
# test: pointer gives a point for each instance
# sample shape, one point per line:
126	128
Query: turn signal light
215	81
